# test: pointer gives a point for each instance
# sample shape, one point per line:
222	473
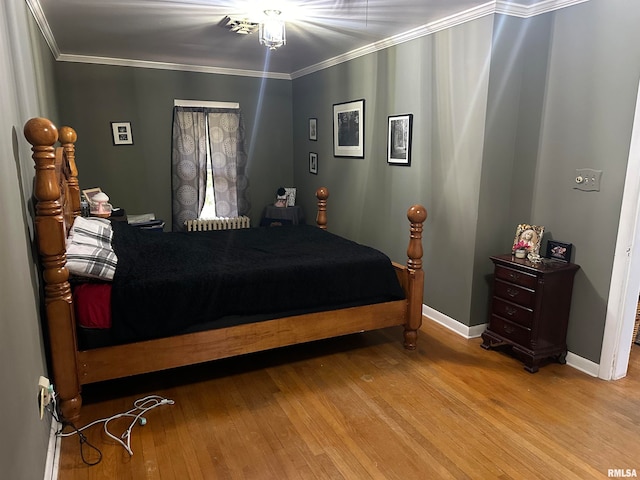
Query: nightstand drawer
514	293
511	331
512	312
515	276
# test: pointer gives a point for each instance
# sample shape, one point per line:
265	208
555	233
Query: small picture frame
313	129
528	237
559	251
290	192
89	193
348	129
313	163
399	139
121	132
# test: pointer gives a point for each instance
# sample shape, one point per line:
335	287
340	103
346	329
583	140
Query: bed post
68	137
321	218
50	237
416	214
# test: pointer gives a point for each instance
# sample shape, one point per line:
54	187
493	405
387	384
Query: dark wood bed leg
321	218
416	214
50	237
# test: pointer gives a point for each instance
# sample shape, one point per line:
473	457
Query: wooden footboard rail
57	196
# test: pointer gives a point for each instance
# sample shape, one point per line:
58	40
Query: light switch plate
587	179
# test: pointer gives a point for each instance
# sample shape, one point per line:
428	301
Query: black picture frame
313	163
559	251
121	132
313	129
348	129
399	137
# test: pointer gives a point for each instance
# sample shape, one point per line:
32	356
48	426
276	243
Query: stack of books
146	221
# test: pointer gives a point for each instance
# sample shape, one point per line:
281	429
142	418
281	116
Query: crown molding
527	11
428	29
504	7
125	62
43	25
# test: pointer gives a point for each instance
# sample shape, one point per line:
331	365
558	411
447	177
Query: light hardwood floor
361	407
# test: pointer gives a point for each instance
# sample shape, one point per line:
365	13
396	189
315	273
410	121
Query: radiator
218	224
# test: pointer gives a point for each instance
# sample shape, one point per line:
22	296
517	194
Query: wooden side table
530	308
273	215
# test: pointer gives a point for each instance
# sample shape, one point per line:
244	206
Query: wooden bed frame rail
57	195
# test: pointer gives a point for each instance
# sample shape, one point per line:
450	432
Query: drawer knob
510	311
513	275
512	292
509	329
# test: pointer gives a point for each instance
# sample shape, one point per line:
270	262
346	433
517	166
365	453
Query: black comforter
166	283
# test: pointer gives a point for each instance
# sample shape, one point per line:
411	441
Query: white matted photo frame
121	132
313	129
399	139
348	129
528	237
313	163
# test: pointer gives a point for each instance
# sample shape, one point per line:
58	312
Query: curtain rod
201	103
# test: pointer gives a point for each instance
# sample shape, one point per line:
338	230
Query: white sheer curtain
189	162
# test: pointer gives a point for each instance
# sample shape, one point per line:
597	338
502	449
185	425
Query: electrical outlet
45	393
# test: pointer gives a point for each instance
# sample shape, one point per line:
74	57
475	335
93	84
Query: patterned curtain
188	165
228	161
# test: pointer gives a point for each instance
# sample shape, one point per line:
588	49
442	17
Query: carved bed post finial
321	218
416	214
68	137
51	238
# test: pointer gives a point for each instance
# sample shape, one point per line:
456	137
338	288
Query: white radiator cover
233	223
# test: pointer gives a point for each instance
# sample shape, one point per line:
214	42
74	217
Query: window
208	162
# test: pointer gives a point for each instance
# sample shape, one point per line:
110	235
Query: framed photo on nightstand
559	251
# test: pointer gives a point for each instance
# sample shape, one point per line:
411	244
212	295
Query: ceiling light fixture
272	34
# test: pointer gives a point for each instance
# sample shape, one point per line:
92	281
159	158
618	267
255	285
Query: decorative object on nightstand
528	238
281	198
100	206
530	309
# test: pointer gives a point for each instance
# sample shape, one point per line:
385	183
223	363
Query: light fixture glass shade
272	33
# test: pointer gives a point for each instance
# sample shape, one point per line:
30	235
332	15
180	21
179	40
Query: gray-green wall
442	80
138	177
505	110
27	84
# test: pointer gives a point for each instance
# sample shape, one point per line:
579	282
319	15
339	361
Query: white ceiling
184	34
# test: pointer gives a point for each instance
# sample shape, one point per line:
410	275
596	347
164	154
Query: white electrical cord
141	406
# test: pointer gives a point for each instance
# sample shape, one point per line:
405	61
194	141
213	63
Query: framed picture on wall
348	129
313	129
121	132
399	140
313	163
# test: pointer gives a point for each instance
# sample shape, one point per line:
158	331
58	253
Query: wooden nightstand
530	309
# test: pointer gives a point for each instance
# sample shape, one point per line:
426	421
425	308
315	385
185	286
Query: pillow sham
91	231
91	261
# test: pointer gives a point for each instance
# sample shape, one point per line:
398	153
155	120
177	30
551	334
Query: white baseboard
453	325
582	364
53	453
573	360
